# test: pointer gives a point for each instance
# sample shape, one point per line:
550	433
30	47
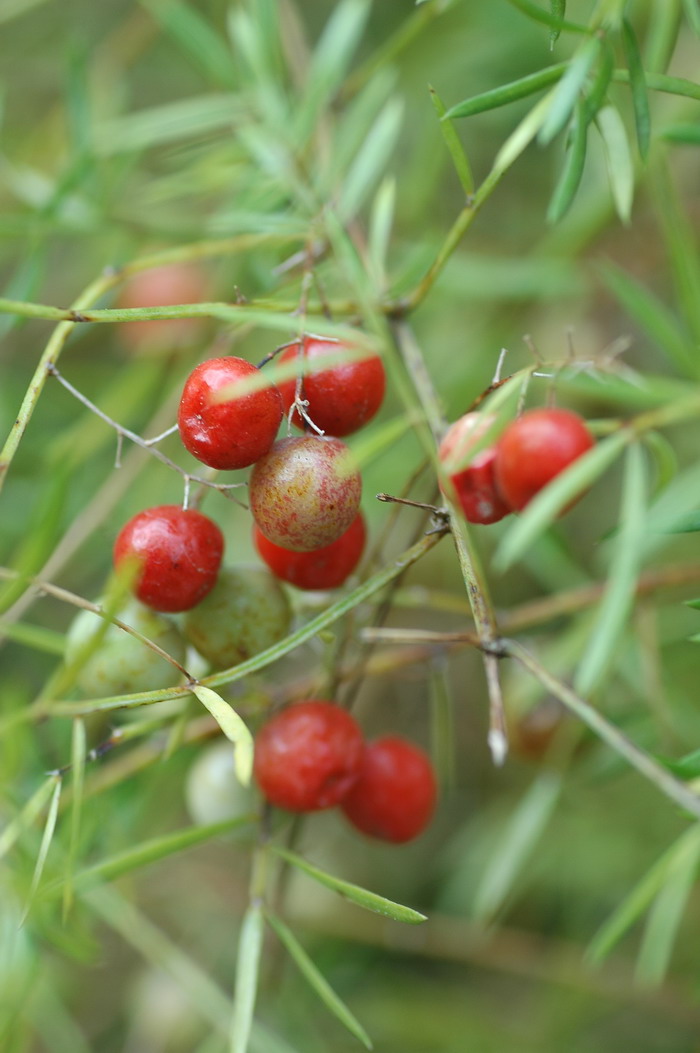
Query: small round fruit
474	484
246	612
341	398
534	449
121	664
308	756
213	792
231	434
395	794
175	283
177	552
324	568
305	492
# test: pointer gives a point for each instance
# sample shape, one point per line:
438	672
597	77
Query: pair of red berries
312	756
504	478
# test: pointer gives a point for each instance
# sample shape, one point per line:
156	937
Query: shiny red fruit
395	794
534	449
324	568
342	398
234	433
474	482
175	283
308	756
305	492
178	553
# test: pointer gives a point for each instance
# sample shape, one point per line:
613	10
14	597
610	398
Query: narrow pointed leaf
47	838
517	89
234	728
521	137
640	99
247	969
570	178
687	134
380	227
687	767
558	8
360	896
537	14
568	90
665	460
443	736
196	37
666	913
618	159
27	816
453	144
371	159
318	982
692	12
78	755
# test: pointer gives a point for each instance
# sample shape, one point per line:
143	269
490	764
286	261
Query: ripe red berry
534	449
175	283
474	484
324	568
308	756
395	794
234	433
305	492
342	398
178	553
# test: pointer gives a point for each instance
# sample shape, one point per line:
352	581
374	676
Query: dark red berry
177	552
534	449
341	398
324	568
175	283
472	478
234	433
305	492
395	794
308	756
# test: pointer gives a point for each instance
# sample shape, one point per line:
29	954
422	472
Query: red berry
394	796
231	434
475	483
178	552
308	756
534	449
175	283
305	492
342	398
324	568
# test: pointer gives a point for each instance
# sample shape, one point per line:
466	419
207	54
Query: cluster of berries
312	756
497	480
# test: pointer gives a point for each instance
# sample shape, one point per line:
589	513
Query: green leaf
692	13
360	896
517	89
622	581
442	723
520	138
596	94
640	99
78	756
679	236
686	134
665	915
523	830
371	159
380	227
47	838
570	178
558	8
665	460
567	92
34	636
247	968
170	123
688	767
618	159
317	981
634	905
553	21
234	728
546	506
453	144
653	316
196	38
32	809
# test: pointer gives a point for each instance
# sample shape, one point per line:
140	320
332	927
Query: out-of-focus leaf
22	286
453	144
568	90
247	968
692	13
170	123
522	832
640	99
380	227
234	728
687	767
545	18
517	89
618	158
665	915
32	809
196	38
371	159
688	134
318	982
78	757
598	89
443	734
570	178
665	460
521	137
47	838
558	9
679	237
10	9
35	636
546	506
360	896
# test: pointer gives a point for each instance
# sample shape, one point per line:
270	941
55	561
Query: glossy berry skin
324	568
175	283
473	485
305	492
308	756
178	552
395	794
231	434
342	398
246	612
534	449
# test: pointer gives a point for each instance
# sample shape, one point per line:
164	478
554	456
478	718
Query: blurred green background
128	129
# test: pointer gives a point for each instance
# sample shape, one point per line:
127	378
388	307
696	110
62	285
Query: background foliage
297	151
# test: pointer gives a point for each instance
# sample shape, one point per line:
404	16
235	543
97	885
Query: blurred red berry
177	552
308	756
175	283
395	794
342	398
234	433
474	483
323	568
